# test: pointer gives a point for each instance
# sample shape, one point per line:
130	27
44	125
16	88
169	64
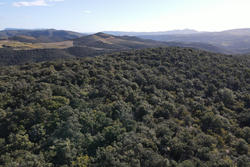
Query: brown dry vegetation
16	45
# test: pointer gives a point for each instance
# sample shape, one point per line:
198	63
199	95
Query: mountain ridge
128	33
47	35
236	41
86	46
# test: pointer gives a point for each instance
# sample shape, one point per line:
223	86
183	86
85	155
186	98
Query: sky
125	15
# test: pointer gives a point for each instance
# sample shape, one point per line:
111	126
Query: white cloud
30	3
34	3
87	12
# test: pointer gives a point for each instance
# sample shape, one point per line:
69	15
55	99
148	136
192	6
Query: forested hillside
145	108
18	57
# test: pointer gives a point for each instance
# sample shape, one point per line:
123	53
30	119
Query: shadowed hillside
15	57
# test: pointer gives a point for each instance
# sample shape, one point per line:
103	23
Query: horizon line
198	31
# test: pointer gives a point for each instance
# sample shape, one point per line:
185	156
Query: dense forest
9	56
164	107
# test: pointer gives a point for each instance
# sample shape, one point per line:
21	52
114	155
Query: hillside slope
103	41
17	57
110	42
13	52
165	107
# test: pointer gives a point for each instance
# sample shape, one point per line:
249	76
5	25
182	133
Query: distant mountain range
48	39
228	42
107	42
16	52
122	33
231	41
38	36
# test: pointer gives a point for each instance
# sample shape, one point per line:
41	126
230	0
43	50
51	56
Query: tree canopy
142	108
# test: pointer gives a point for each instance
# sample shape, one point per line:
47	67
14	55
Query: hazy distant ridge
235	41
122	33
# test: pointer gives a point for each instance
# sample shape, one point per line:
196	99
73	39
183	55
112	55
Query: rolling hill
228	42
15	52
39	36
231	41
17	45
103	41
111	42
16	57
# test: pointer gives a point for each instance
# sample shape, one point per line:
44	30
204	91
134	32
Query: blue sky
125	15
